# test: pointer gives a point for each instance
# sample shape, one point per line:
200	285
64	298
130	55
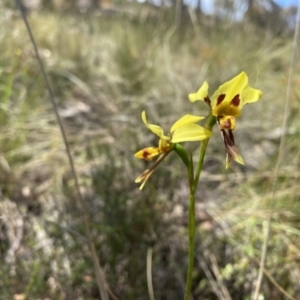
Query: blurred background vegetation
107	62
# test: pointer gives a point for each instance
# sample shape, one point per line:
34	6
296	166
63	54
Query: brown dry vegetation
105	72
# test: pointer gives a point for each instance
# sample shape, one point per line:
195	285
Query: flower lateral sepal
148	172
144	177
232	150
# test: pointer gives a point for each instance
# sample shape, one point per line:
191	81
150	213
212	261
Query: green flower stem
192	226
211	120
187	160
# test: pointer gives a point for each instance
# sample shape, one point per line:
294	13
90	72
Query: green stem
187	160
191	246
211	120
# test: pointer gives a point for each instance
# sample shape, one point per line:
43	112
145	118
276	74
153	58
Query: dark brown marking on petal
146	154
220	99
236	100
207	101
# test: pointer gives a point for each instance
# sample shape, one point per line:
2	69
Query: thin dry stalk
101	282
210	277
149	273
218	276
275	283
284	126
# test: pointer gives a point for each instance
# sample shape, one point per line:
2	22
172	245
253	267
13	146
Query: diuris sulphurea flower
226	105
183	130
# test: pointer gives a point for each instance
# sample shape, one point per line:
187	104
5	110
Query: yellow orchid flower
183	130
226	104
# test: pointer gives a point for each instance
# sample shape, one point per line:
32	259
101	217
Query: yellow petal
186	119
148	153
154	128
250	95
201	94
190	133
229	90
